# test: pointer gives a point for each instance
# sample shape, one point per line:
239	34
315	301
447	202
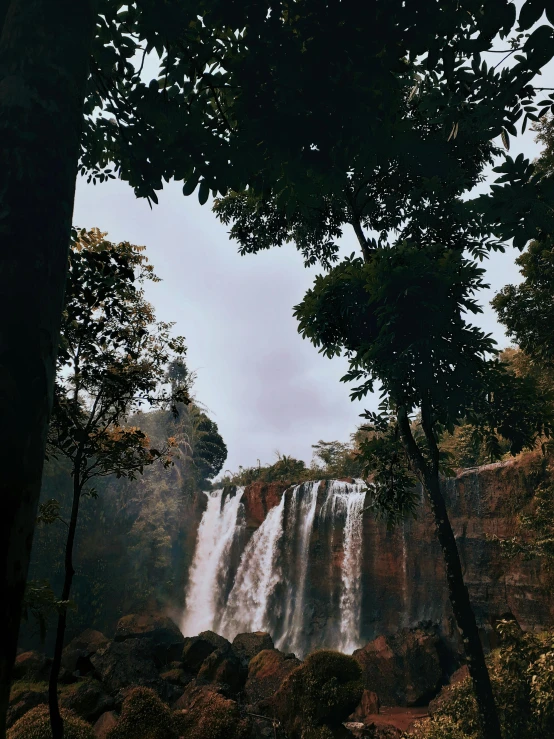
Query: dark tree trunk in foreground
458	592
44	56
55	717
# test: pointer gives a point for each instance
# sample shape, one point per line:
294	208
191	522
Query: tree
112	360
236	78
399	311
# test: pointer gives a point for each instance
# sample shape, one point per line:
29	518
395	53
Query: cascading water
216	532
271	587
302	519
259	572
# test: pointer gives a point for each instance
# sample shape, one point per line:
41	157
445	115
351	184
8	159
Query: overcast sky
266	388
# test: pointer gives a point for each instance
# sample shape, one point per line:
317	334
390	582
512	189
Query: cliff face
403	581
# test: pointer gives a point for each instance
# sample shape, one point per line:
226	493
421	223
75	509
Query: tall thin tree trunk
457	590
44	59
55	717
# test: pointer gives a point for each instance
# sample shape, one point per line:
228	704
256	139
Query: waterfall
302	516
248	605
276	583
216	532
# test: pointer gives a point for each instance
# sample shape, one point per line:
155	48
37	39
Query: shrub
209	715
143	708
36	725
322	692
522	677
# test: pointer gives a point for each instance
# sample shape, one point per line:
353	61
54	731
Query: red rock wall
403	577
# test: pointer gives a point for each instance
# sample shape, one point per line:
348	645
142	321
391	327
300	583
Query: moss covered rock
322	692
202	713
144	715
35	724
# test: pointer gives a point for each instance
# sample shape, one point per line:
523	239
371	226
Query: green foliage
143	711
319	694
35	724
522	676
39	603
393	493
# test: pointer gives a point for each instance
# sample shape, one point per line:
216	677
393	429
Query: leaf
530	13
190	185
505	140
203	192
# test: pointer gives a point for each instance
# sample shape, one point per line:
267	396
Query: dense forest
299	122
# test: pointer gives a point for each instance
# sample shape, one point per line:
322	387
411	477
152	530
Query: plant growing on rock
144	713
319	695
112	361
35	724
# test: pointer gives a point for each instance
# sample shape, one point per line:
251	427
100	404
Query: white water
258	574
302	515
215	537
345	502
269	587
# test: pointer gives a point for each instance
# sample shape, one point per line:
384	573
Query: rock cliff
403	582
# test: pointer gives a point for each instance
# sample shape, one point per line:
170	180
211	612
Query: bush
522	677
322	692
36	725
143	708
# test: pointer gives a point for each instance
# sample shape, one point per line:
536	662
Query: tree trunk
55	718
457	590
44	57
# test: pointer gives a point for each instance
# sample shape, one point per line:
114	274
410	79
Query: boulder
163	633
87	699
249	645
368	706
197	648
22	700
76	655
120	665
203	713
404	669
223	668
319	695
32	667
266	672
105	724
